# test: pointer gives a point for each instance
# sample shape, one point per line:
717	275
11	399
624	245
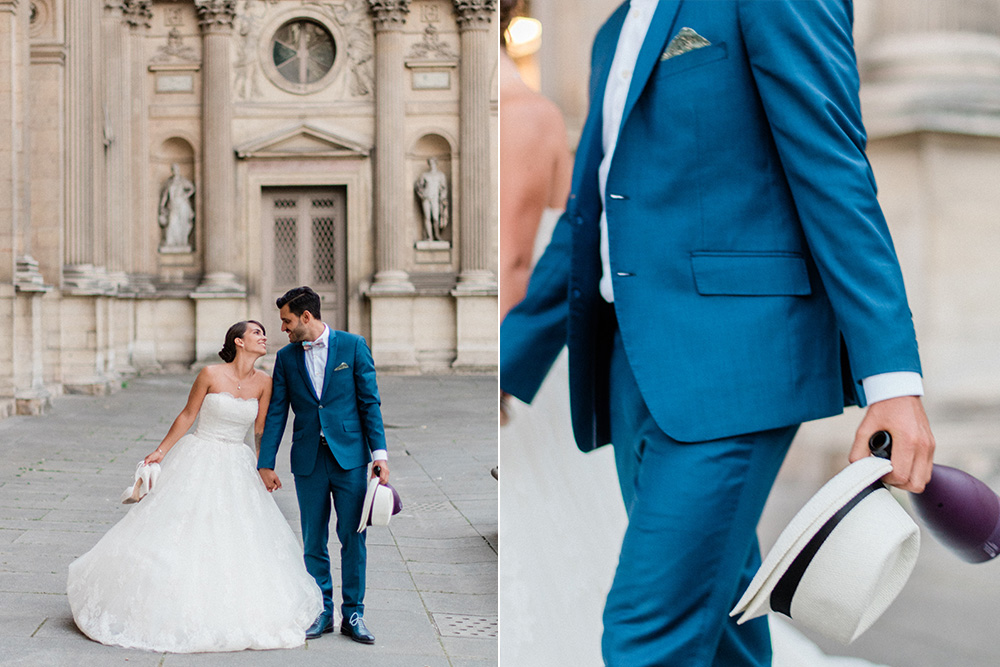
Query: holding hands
270	479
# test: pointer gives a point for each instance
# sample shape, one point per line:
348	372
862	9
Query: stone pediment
301	141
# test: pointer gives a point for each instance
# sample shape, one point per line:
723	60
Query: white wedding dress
206	561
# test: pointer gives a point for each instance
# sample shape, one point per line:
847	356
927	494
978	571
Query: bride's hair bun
228	352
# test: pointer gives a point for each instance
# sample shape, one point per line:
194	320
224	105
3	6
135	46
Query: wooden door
305	234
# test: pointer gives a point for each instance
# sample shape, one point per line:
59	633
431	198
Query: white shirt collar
325	336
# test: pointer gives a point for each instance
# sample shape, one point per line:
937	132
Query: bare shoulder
529	116
210	372
262	377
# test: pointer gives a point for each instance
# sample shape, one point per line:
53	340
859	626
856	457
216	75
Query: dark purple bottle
959	510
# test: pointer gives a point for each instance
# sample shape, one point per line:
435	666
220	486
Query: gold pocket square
341	367
684	41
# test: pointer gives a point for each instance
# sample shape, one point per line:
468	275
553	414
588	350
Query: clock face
303	51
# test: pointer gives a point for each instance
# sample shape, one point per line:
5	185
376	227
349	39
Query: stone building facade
930	97
168	167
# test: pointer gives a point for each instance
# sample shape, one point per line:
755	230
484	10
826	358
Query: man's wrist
883	386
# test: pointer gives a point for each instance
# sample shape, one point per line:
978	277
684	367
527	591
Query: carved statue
432	189
176	213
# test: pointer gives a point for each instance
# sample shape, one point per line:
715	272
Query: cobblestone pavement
432	575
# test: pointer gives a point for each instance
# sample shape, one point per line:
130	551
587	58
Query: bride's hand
155	457
270	479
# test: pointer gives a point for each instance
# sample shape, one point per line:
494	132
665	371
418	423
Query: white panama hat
380	503
842	559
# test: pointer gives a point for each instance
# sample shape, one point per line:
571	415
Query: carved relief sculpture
352	16
432	46
175	50
176	215
431	187
246	68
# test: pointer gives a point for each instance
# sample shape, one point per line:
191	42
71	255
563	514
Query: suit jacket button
321	407
576	293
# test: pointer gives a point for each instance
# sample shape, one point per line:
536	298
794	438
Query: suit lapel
660	29
300	358
332	354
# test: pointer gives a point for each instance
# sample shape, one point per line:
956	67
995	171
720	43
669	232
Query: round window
303	52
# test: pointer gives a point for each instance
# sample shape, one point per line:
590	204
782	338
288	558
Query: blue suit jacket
348	412
755	281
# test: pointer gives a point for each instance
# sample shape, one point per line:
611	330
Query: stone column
220	300
476	291
13	67
139	15
391	189
21	284
117	140
930	94
392	294
218	186
479	52
81	275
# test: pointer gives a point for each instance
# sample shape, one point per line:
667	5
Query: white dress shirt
316	357
640	13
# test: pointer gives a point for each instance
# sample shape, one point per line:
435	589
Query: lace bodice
225	417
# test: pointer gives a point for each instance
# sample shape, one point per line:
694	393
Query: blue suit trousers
691	547
347	489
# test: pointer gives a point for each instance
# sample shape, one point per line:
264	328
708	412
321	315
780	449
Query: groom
722	273
328	378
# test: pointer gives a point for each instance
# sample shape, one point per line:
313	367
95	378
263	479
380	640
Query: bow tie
307	345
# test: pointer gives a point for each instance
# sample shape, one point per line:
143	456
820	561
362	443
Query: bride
206	561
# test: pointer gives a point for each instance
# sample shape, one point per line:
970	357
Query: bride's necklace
239	382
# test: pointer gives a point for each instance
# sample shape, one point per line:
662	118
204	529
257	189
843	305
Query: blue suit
348	415
755	285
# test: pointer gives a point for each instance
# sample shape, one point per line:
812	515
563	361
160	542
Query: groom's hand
383	471
270	479
912	440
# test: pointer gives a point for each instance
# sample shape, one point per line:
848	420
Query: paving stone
8	535
471	648
438	583
479	554
461	603
77	652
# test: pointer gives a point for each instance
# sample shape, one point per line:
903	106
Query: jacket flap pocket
352	425
750	274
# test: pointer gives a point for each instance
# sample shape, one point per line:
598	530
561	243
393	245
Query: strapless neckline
226	393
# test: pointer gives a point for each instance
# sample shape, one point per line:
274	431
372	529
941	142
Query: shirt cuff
379	455
884	386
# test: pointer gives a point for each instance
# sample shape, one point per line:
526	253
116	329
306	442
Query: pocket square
341	367
684	41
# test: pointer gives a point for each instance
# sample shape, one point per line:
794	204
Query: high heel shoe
133	493
154	474
145	476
